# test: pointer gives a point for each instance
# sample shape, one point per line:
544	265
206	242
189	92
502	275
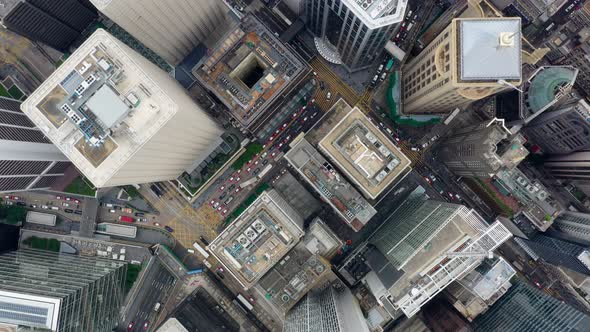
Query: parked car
112	211
169	229
139	214
21	203
78	212
205	242
69	211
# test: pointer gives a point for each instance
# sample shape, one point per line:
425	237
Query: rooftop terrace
248	70
99	107
378	13
547	85
258	238
331	185
364	153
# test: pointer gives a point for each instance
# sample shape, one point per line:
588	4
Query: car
220	275
239	171
34	206
295	115
112	211
322	85
248	169
7	196
457	197
232	187
146	325
65	204
130	326
139	214
414	149
396	139
305	119
328	95
9	203
21	203
219	208
222	196
68	198
142	219
237	179
224	212
256	171
427	179
168	228
284	125
273	154
156	224
78	212
451	195
55	208
251	299
222	188
212	202
256	162
16	198
127	210
58	197
264	162
264	155
237	189
69	211
432	177
220	269
434	138
230	179
76	201
280	145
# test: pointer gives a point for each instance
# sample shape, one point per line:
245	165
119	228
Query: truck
264	171
126	219
200	250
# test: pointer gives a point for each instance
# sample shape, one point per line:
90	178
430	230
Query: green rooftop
546	84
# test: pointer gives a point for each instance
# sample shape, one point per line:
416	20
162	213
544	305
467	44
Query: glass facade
89	289
411	226
524	308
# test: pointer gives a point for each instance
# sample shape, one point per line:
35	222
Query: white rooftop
29	310
378	13
490	49
107	106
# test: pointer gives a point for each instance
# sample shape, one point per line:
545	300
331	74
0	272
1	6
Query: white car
329	95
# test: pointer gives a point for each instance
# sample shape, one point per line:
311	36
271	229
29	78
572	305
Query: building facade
61	292
429	244
28	160
119	118
170	30
481	150
352	32
573	166
471	59
524	308
579	58
564	130
55	23
332	309
557	252
573	226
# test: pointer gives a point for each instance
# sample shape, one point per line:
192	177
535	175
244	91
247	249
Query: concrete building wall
170	28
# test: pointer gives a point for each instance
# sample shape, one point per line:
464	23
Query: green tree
15	214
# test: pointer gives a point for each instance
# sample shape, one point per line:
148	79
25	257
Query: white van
157	306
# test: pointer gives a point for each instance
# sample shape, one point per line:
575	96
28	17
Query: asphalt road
155	288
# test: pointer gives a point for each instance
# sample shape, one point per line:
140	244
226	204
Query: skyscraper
55	23
353	32
60	292
557	252
481	150
429	244
119	118
573	226
564	130
573	166
524	308
171	29
471	59
331	309
28	160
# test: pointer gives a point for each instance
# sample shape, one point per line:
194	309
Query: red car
427	179
130	326
146	325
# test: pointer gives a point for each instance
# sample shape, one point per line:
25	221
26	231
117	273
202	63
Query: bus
195	271
126	219
201	250
242	301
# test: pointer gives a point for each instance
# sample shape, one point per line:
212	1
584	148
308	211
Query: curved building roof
546	84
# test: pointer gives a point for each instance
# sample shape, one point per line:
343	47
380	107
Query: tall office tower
578	58
481	150
471	59
562	131
119	118
171	29
573	166
55	23
428	245
332	309
524	308
353	32
557	252
28	160
60	292
573	227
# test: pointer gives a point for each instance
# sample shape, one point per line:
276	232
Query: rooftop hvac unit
522	181
320	269
285	298
243	240
312	262
258	226
371	138
251	234
542	194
